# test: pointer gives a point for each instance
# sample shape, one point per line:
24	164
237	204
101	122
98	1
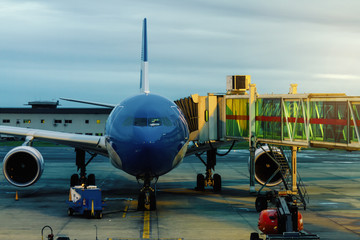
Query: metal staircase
281	156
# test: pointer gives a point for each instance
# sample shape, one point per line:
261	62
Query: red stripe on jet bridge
237	117
267	119
340	122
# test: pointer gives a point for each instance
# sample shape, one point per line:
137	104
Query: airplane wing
90	103
94	144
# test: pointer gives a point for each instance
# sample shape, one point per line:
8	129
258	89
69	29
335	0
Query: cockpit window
128	121
151	122
166	122
140	122
154	122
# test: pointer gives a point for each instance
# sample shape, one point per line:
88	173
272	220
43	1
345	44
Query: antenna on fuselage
144	81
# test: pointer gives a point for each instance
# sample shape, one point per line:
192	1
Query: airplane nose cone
146	134
152	151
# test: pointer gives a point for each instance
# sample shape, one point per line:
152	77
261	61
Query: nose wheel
147	198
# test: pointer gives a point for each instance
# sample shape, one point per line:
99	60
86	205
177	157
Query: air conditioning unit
237	84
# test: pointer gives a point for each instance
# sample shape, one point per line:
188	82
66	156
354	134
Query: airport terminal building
48	116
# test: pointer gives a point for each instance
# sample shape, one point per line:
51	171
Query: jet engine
23	166
265	166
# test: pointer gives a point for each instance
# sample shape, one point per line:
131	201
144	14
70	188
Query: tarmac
332	179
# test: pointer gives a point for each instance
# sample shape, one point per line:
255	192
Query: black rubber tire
87	214
74	180
99	215
261	203
141	202
200	182
254	236
152	201
91	179
70	212
217	183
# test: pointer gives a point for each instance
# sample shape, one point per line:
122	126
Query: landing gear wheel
141	202
70	212
74	180
152	201
217	183
200	182
91	179
261	203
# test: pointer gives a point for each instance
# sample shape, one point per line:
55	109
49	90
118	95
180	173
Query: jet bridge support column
294	169
252	138
252	167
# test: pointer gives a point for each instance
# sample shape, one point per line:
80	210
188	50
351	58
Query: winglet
144	81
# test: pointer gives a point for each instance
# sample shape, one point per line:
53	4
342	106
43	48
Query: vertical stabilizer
144	81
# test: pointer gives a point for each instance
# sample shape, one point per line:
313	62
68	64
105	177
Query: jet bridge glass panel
268	118
294	119
237	117
329	121
354	122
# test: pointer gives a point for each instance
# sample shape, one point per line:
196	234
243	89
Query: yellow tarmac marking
146	232
125	211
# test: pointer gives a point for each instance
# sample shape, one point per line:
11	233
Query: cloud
193	45
337	76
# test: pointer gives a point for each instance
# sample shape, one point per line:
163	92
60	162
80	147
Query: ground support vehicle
85	200
283	222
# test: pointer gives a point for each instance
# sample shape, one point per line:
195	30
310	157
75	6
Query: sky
90	50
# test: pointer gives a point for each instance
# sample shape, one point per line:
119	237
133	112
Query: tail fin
144	81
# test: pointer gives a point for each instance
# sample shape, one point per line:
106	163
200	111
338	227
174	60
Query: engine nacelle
265	167
23	166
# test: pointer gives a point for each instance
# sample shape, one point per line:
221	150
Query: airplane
146	136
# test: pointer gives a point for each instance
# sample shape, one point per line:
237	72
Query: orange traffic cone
16	196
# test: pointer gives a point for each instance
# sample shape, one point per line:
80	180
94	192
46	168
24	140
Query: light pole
96	232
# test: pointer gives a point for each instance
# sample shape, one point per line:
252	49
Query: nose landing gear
147	197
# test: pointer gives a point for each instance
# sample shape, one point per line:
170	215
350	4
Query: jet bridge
290	120
303	120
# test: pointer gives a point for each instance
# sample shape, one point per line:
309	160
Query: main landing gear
81	178
147	197
209	179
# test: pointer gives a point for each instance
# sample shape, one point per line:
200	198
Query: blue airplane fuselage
146	135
